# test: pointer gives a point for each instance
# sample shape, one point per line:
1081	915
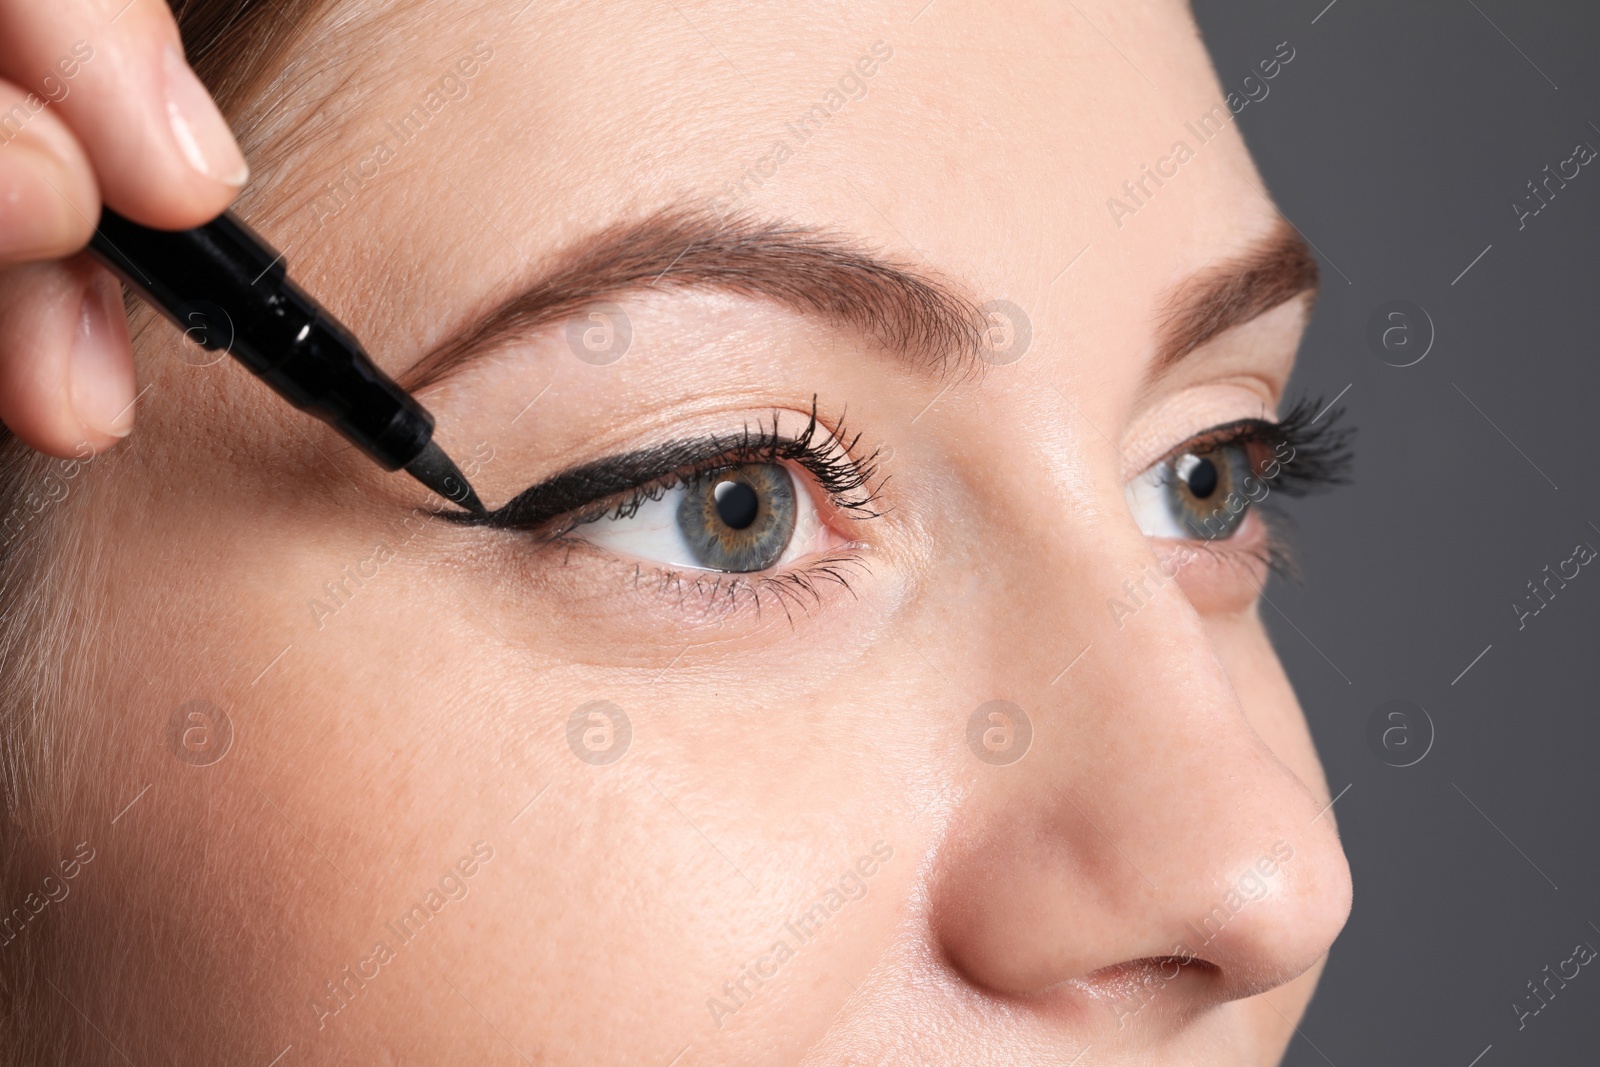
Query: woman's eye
1203	494
743	518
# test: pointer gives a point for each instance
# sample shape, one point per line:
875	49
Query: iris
738	518
1199	488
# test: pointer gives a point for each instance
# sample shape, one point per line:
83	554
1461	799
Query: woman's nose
1148	840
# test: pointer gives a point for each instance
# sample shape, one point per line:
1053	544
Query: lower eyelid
1214	576
567	576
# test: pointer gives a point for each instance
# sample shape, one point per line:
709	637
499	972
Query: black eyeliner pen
228	289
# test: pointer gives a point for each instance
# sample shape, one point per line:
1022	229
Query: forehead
416	165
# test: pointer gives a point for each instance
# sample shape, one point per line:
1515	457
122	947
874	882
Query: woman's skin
790	739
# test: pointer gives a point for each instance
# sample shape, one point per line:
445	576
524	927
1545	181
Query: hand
96	103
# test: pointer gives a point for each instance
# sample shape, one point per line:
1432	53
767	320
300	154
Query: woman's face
711	770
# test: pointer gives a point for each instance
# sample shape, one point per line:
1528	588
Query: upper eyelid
673	463
678	461
636	495
564	528
1252	429
1319	456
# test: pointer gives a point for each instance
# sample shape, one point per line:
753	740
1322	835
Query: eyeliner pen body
229	290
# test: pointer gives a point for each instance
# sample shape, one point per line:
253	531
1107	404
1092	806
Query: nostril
1154	983
1134	979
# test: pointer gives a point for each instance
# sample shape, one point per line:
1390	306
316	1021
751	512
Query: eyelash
1321	458
852	485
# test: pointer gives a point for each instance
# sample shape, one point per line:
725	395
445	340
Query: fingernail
36	218
101	364
200	129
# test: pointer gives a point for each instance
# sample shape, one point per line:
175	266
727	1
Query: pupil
737	504
739	518
1202	478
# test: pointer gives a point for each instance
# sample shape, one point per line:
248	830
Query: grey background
1396	142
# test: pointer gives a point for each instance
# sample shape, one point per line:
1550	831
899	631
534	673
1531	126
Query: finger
161	151
66	364
48	196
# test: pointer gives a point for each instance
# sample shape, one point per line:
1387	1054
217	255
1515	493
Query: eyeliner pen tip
438	472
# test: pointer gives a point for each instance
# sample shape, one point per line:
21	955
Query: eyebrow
926	319
1233	292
